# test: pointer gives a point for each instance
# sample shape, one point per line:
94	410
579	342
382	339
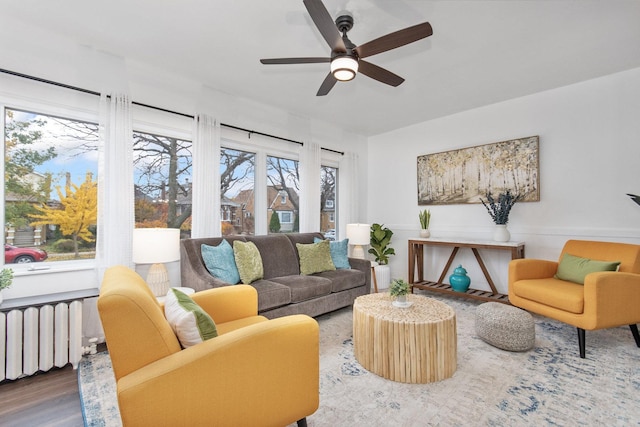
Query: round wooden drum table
417	344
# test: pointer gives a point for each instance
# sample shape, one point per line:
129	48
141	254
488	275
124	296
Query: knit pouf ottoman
505	326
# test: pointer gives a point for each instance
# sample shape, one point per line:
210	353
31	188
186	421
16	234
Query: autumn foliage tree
77	212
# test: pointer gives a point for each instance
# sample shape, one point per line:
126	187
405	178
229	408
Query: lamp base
158	280
358	251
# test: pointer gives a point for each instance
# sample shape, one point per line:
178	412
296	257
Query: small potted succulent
399	290
499	211
425	219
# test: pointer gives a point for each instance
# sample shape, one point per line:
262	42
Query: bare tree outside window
328	201
283	179
237	197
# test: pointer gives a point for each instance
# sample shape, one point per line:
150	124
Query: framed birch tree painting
468	174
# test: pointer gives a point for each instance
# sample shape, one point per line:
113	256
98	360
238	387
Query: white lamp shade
156	245
358	234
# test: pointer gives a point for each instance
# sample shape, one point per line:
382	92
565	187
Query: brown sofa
283	290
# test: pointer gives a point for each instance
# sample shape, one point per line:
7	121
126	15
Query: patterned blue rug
547	386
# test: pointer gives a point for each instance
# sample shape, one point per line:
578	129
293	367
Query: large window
328	201
237	199
50	187
162	179
283	202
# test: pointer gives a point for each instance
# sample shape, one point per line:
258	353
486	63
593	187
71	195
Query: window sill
20	270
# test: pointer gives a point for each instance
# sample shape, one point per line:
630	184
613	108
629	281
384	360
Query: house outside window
283	186
328	197
237	195
50	173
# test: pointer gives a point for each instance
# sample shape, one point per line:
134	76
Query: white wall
589	159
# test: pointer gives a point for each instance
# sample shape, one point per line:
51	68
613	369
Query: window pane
283	180
237	207
162	180
328	201
50	187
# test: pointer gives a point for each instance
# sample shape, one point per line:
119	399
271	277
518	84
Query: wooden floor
46	399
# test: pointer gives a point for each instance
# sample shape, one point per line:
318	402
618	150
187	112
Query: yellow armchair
256	372
607	299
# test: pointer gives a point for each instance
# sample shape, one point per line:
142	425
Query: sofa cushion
315	257
305	287
271	294
220	262
341	280
249	261
575	268
339	253
191	324
279	256
560	294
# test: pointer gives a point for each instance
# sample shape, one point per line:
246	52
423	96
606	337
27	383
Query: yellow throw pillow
315	257
248	261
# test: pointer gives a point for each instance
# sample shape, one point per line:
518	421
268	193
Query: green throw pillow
315	257
191	324
220	262
249	261
339	253
574	268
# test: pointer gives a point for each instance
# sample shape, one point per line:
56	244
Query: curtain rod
92	92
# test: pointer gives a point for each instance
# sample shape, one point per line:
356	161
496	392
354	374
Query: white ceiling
481	52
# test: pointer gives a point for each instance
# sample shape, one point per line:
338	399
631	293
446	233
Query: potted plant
399	290
425	219
379	240
6	278
499	211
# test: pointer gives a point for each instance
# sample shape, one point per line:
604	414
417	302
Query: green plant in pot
425	218
380	238
399	289
499	211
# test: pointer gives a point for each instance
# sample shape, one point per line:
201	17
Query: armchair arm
363	265
611	299
263	374
228	303
524	269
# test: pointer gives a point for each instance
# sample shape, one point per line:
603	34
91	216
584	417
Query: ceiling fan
346	58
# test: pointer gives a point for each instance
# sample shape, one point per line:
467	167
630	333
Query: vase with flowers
499	210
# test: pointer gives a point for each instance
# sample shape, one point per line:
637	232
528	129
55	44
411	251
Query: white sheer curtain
115	184
205	214
310	187
348	202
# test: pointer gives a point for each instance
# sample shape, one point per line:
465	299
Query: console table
416	263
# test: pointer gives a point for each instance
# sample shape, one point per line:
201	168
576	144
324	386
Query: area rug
547	386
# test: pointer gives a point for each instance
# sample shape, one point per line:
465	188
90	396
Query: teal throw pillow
221	262
574	268
315	257
339	253
249	261
191	324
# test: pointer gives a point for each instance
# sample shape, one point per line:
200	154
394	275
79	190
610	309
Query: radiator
36	339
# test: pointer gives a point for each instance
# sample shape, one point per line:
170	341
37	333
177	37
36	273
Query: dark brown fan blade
328	83
310	60
394	40
325	24
379	74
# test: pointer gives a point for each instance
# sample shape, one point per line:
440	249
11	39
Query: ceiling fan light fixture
344	68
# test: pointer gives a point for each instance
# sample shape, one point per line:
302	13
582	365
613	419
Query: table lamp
156	246
358	235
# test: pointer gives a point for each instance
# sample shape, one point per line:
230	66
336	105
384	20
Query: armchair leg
581	342
636	335
302	422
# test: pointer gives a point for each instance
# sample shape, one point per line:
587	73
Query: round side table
417	344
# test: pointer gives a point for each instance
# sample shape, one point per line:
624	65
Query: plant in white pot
499	211
425	219
399	289
6	278
379	242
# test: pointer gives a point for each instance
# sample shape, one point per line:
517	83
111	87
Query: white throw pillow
191	324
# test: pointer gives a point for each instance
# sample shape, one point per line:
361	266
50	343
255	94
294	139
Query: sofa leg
581	342
636	335
302	422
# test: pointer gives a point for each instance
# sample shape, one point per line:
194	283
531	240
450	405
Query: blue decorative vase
459	280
